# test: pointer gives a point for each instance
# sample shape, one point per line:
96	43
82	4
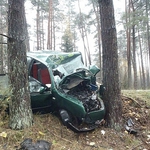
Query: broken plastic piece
130	123
130	127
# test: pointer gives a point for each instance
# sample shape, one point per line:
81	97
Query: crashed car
60	82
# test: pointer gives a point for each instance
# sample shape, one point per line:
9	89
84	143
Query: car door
40	93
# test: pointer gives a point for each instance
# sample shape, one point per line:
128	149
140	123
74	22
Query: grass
48	127
138	95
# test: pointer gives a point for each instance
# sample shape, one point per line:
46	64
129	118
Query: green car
60	82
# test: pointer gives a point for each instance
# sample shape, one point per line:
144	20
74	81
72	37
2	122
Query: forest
78	29
111	34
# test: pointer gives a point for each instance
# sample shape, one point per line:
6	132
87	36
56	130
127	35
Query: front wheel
68	117
72	122
64	115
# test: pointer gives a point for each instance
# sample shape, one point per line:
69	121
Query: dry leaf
3	134
41	133
92	143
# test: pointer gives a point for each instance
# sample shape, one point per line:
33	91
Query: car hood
70	81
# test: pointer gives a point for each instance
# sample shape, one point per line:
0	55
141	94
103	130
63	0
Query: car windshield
70	66
65	63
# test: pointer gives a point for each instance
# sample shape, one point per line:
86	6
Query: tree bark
112	99
19	107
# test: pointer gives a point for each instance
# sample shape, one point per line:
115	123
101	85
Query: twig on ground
60	137
132	100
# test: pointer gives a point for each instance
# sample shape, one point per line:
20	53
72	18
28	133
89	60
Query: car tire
68	117
64	115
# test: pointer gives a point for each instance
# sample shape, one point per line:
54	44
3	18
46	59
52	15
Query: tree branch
3	43
5	36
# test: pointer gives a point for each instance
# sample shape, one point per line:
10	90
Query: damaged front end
81	88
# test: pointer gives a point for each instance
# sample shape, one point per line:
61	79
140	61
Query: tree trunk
134	57
27	38
84	37
143	83
88	49
128	33
37	26
98	35
148	38
19	107
1	55
112	99
50	25
42	28
54	36
134	49
1	43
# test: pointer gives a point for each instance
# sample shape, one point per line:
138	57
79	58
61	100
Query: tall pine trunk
19	106
37	26
143	83
128	34
112	99
148	38
134	49
1	43
50	25
84	38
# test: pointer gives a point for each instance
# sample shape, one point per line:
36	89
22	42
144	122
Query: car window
35	85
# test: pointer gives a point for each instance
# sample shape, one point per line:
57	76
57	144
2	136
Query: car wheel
64	116
68	117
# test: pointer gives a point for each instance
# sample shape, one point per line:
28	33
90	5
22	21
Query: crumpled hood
74	79
81	75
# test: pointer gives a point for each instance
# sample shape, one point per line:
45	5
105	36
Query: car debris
130	127
28	144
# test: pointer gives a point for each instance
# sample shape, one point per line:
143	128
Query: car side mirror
42	90
94	69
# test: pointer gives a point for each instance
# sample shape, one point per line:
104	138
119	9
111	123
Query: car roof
53	58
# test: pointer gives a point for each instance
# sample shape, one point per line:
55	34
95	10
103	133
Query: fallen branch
132	100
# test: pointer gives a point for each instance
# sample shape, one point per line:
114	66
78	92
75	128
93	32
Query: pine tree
67	40
19	106
112	99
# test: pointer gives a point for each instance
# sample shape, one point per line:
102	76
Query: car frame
60	82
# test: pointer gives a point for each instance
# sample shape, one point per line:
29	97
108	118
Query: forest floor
136	105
